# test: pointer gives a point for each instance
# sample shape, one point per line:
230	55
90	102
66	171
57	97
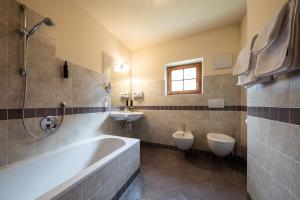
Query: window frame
198	90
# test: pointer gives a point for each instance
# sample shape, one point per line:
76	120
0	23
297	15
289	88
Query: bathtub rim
77	179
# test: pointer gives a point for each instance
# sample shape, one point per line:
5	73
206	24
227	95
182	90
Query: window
184	79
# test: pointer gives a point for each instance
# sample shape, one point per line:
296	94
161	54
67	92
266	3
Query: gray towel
280	56
271	30
249	79
242	64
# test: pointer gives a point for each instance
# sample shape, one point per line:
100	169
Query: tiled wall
82	91
166	114
243	123
274	139
110	182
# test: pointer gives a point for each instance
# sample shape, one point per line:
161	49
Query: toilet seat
220	138
220	144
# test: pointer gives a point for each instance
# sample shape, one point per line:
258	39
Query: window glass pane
177	74
190	84
177	86
190	73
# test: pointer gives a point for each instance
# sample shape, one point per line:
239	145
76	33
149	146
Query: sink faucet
183	127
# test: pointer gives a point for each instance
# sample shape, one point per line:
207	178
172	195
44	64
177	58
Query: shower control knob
49	123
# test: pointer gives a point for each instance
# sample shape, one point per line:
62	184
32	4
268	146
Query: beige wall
244	30
149	63
80	38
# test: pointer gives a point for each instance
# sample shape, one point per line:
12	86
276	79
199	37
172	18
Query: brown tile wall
82	91
243	124
165	114
274	139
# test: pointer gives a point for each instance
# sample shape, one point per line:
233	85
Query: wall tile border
286	115
191	151
193	108
8	114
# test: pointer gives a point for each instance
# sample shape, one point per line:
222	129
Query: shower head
47	21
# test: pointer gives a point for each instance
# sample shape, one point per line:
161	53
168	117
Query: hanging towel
248	78
280	56
271	30
296	39
242	64
292	61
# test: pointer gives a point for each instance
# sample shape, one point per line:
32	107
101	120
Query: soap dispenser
66	70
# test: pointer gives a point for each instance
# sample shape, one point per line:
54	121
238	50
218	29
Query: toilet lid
218	137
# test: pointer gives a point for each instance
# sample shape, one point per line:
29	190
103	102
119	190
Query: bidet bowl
183	140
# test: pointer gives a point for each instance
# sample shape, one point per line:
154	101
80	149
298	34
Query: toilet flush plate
216	103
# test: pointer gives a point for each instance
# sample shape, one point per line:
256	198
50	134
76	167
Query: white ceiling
140	23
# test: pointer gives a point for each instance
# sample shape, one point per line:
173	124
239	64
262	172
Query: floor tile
237	192
170	175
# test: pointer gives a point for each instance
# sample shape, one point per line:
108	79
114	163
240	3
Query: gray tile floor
169	175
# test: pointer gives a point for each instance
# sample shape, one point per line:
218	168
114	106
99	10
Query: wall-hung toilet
183	139
220	144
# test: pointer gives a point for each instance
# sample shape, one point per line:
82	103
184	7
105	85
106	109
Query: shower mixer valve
49	123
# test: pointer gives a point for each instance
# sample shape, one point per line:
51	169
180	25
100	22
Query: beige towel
280	56
249	79
271	30
292	61
296	39
243	61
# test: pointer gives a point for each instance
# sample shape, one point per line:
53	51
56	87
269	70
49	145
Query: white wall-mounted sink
126	116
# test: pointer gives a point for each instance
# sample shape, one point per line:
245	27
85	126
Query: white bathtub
49	175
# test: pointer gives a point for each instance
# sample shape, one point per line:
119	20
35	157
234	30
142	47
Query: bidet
183	139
